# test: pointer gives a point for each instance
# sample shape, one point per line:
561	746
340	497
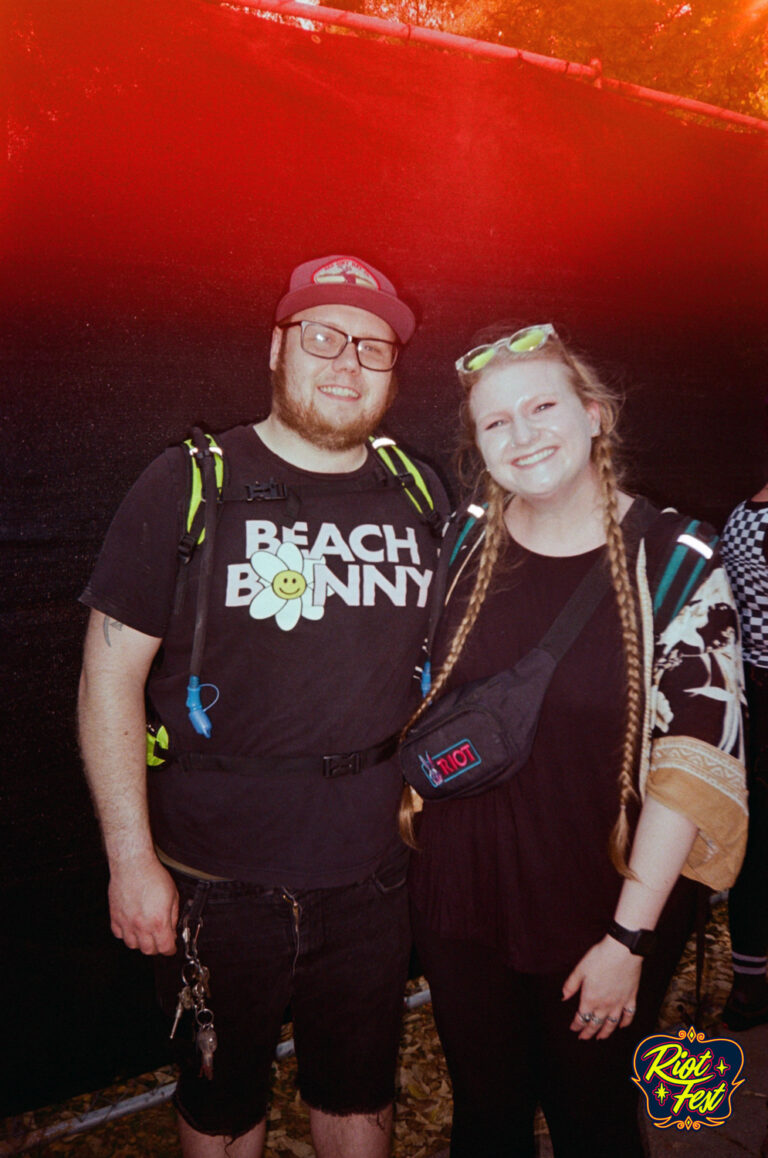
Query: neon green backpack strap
197	445
409	476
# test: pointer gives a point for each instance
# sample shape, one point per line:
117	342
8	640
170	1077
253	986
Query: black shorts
338	956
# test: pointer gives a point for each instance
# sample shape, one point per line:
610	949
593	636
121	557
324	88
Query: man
745	552
276	834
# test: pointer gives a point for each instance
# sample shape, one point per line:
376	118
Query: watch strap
641	942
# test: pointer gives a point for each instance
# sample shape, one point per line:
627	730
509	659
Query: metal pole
449	40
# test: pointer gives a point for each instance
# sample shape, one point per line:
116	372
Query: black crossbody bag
481	734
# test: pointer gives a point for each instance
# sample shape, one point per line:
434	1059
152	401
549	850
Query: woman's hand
608	976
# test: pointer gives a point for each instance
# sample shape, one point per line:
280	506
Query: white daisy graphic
287	591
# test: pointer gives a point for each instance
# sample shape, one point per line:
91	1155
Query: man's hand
144	906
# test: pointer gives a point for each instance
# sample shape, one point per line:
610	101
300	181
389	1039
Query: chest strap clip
264	492
345	764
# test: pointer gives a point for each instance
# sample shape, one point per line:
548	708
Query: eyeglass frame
396	346
550	334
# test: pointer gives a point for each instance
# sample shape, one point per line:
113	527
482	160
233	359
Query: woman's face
533	432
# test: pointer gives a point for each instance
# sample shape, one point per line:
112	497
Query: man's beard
305	420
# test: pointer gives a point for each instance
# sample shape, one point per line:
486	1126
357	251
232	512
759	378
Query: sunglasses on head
522	342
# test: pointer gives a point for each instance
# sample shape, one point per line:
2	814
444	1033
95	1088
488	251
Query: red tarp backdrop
169	162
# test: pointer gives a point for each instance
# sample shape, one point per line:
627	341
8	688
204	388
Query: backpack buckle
403	476
342	764
265	492
434	521
186	546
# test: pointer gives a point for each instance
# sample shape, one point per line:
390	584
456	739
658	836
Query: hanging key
186	1001
200	989
206	1043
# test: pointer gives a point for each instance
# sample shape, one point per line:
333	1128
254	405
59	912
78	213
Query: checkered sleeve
744	547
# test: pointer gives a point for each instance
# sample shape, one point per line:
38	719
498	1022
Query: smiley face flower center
289	584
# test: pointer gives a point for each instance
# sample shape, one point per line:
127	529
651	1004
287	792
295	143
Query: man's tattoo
118	626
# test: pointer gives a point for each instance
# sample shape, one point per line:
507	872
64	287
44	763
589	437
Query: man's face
333	403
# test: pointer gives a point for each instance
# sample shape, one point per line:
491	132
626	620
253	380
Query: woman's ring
613	1020
585	1017
629	1008
598	1020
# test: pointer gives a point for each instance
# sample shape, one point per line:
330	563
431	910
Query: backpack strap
207	480
398	467
681	569
463	534
201	447
410	478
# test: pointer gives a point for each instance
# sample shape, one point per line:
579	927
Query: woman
635	775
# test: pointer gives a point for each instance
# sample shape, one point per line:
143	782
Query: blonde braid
495	536
622	586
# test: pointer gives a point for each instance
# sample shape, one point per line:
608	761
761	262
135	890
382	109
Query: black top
315	623
525	867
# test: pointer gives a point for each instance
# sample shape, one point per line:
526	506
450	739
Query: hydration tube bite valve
197	714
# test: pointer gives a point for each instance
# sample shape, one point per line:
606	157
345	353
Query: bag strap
577	611
595	585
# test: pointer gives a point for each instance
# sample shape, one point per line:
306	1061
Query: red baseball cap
346	281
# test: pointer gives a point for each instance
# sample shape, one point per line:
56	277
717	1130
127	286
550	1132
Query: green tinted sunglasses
522	342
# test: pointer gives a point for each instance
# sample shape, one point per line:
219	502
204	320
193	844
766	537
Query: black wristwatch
641	942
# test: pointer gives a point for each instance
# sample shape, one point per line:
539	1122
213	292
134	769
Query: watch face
645	942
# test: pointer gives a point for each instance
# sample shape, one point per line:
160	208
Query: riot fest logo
688	1080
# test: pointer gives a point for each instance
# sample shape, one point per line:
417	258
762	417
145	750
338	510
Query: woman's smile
533	432
535	458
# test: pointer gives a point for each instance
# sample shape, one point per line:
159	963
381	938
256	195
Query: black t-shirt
525	867
313	632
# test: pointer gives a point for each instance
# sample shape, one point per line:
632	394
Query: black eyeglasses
329	342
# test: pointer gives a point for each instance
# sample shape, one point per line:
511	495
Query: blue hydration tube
198	715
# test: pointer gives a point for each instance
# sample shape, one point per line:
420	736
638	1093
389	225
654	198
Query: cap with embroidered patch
346	281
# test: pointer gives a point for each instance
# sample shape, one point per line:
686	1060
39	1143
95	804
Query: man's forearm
142	896
112	735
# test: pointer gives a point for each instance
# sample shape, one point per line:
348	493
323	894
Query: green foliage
714	52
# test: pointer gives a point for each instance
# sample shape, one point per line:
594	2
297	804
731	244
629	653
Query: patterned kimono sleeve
696	719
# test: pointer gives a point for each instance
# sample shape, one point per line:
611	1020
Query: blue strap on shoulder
681	556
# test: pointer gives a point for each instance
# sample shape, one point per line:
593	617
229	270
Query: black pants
748	899
508	1046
